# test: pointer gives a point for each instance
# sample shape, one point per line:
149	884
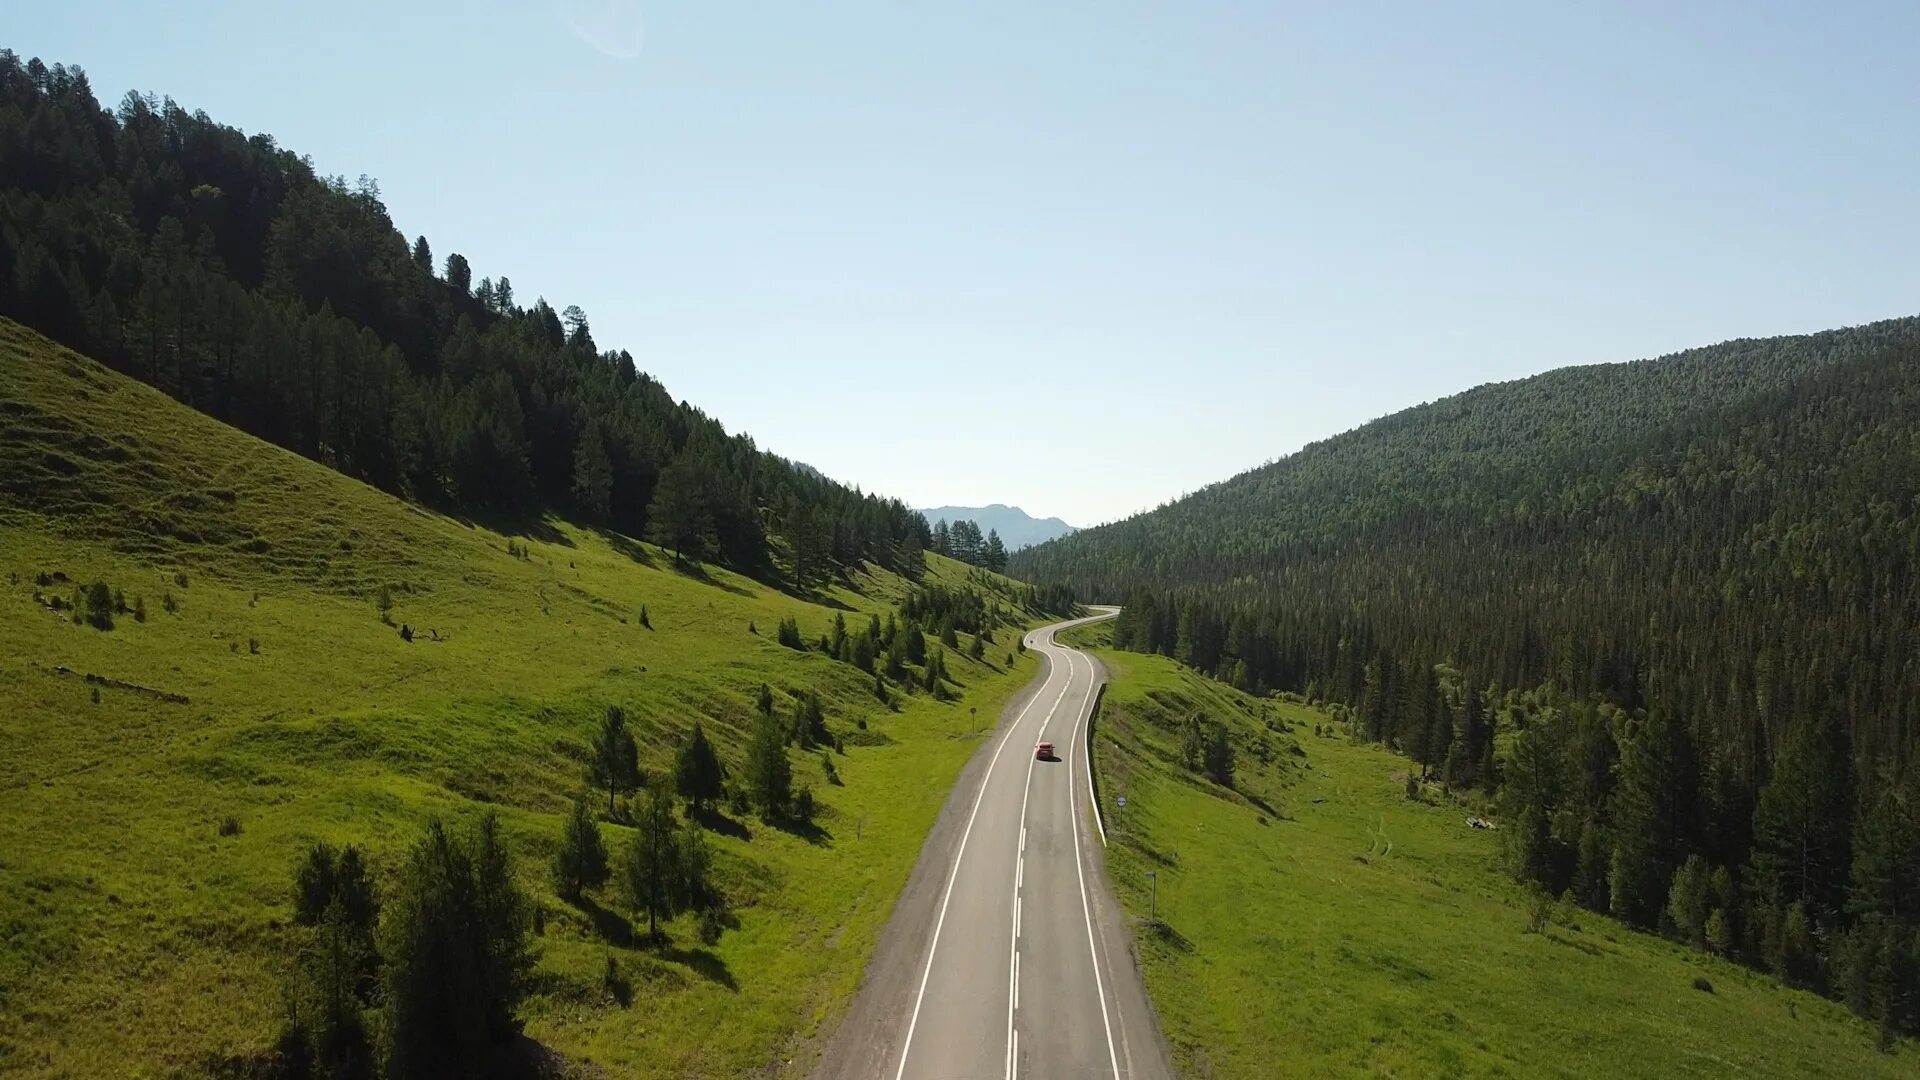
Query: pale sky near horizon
1084	258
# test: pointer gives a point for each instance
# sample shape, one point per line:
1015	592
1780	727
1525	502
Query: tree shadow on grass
1588	947
698	572
1264	806
810	831
716	822
523	1058
524	526
702	962
627	546
611	926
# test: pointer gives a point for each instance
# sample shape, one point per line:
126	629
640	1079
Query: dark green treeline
223	270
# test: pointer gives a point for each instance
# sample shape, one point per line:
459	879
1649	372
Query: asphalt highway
1006	955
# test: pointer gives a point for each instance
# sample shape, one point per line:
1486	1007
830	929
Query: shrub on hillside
96	606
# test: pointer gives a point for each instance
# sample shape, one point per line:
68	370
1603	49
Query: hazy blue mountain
1016	527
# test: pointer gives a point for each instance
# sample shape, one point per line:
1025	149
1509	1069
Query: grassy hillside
1316	922
158	778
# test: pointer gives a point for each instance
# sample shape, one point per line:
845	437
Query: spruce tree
615	764
592	475
698	775
653	863
680	517
769	773
581	861
1801	827
1652	814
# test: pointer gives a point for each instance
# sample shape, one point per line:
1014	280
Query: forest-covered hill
224	270
1667	608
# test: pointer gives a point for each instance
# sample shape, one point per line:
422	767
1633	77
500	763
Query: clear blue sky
1086	258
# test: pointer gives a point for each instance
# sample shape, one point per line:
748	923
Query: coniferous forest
1665	613
227	272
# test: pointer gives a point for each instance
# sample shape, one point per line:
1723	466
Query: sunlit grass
137	939
1317	922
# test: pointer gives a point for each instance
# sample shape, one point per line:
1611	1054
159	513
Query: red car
1044	752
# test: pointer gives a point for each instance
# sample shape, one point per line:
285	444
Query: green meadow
1315	921
158	779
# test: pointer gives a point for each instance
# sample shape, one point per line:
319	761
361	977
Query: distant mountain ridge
1017	528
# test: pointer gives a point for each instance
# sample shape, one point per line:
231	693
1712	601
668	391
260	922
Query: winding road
1006	956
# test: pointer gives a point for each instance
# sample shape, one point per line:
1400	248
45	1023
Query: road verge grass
1315	921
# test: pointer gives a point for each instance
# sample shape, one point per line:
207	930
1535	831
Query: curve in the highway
1006	955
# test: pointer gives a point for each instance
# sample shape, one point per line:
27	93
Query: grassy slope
1347	930
135	939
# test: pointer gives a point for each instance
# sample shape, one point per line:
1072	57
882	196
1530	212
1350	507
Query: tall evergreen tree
769	773
1652	811
592	475
681	515
698	775
1801	825
615	764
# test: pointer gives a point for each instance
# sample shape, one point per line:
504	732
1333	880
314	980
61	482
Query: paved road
1005	955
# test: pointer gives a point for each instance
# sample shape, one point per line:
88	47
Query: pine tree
1476	738
1218	755
1801	825
681	517
698	775
653	865
1885	874
1690	901
581	861
994	555
616	757
1652	812
769	772
460	275
592	475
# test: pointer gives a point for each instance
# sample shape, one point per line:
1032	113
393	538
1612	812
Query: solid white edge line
920	997
1086	910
